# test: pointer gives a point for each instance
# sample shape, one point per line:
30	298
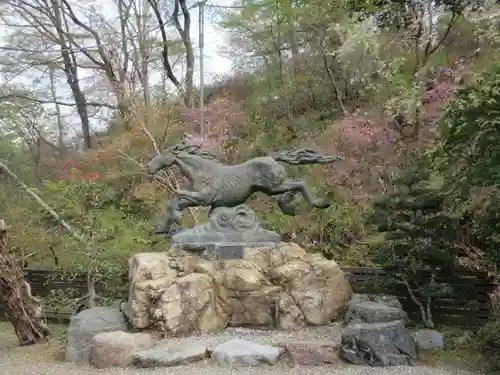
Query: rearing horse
216	185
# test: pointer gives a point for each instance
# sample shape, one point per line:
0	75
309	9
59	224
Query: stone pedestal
228	231
277	287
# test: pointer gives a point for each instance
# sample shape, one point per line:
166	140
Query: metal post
201	27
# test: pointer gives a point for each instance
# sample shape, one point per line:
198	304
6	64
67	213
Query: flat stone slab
373	312
388	300
243	353
313	352
163	356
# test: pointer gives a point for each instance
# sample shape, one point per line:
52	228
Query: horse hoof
324	204
289	211
161	230
173	231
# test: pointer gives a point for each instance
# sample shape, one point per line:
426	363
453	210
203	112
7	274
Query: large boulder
110	349
85	325
283	287
378	344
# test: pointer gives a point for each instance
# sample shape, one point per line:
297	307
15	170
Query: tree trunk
104	61
292	36
25	311
165	51
70	67
185	34
278	43
60	126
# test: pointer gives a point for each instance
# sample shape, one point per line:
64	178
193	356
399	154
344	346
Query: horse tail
304	156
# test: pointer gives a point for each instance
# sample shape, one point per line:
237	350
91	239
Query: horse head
187	156
159	162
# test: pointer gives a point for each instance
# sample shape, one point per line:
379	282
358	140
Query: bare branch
166	64
44	205
45	101
100	47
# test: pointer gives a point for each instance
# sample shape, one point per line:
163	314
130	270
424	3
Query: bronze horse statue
216	185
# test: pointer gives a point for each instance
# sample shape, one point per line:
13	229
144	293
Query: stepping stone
163	356
244	353
117	349
313	352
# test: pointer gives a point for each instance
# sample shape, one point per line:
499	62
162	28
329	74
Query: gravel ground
46	359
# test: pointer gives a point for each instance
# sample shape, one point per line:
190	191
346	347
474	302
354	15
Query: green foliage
469	150
420	236
13	152
115	220
337	227
468	156
488	345
398	13
111	214
387	12
17	157
360	254
291	98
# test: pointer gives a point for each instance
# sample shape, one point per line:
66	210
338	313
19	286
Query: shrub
420	239
488	343
468	156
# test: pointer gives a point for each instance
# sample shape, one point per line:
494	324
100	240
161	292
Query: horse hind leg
301	187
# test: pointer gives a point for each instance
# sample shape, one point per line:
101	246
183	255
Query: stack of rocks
376	333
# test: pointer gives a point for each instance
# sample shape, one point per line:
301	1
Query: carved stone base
228	230
281	288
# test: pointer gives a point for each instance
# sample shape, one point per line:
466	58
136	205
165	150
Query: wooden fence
43	282
468	307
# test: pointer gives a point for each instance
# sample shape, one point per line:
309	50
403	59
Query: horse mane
192	149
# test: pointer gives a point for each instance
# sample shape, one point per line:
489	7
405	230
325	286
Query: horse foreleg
284	202
300	187
171	213
180	201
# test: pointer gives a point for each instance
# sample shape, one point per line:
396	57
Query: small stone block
313	352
